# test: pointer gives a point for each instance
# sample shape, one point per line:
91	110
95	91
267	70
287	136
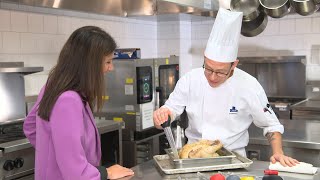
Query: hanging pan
304	7
249	8
256	26
275	8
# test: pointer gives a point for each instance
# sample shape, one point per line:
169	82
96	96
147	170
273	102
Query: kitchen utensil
250	8
178	133
256	26
304	7
276	8
165	164
167	130
178	137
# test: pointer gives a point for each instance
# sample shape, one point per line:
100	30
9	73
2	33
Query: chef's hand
117	171
283	159
160	116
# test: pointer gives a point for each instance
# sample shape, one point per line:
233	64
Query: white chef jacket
224	112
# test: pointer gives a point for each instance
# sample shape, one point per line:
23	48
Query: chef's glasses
209	71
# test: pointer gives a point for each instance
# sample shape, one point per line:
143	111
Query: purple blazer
68	146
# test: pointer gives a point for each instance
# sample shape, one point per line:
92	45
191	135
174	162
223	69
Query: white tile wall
50	24
36	35
301	25
35	23
1	42
10	42
174	38
316	25
4	20
64	25
19	21
200	35
291	35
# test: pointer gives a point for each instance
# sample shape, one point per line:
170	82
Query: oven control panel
17	164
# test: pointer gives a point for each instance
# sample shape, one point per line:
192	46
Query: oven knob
18	162
8	165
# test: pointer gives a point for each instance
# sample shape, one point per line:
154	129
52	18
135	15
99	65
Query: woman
61	126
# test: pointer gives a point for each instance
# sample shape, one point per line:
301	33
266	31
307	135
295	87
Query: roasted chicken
200	149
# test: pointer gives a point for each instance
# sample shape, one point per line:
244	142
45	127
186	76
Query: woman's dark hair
79	68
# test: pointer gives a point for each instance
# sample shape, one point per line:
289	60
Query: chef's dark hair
79	68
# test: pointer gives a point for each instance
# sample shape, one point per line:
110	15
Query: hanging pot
304	7
276	8
256	26
249	8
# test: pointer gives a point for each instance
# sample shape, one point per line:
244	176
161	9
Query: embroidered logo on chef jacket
268	109
233	110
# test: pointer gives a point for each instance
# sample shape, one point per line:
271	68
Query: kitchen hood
129	8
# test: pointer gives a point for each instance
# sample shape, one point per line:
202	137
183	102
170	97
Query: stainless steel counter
309	105
300	134
148	170
22	148
301	140
105	126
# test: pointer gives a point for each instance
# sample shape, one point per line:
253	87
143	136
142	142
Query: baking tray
224	158
165	165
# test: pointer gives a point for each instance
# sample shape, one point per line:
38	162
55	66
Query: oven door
168	78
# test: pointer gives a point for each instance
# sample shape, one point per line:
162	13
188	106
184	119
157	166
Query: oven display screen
145	87
144	84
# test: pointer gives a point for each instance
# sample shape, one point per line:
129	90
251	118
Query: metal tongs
167	130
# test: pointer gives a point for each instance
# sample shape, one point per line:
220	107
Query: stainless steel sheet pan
164	163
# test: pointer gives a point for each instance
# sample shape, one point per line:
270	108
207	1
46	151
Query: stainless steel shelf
24	70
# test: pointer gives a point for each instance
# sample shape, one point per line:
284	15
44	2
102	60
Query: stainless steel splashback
12	91
12	97
279	76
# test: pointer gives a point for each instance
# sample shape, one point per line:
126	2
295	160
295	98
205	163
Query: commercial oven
134	89
16	153
129	94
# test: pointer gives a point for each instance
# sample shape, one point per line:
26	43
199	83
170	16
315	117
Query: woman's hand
117	171
283	159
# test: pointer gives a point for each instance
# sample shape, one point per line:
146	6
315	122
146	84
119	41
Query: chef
221	100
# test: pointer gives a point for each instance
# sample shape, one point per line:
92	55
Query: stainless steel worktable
105	126
149	171
297	133
311	105
300	140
